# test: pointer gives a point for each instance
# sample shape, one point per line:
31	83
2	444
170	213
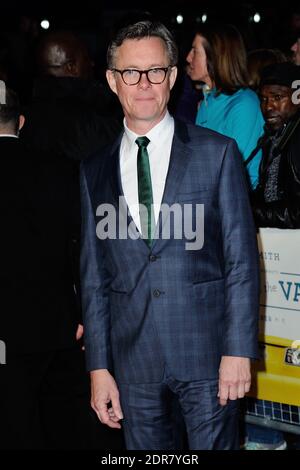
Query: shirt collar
154	135
9	135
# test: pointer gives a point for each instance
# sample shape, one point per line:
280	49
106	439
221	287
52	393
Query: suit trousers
148	423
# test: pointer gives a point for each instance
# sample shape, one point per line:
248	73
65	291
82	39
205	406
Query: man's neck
142	127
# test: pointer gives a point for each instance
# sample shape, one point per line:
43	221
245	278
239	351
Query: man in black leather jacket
276	200
72	114
44	389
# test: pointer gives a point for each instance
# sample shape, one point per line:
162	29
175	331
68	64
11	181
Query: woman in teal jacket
218	59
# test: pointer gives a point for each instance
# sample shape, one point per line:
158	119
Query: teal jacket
237	116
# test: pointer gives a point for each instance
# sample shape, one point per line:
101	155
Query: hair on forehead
141	30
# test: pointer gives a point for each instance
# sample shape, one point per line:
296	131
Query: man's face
296	52
276	105
196	58
144	104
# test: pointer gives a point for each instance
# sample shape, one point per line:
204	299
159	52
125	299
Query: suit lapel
179	160
115	182
113	171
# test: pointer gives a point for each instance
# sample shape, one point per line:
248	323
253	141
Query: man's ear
21	121
71	68
111	79
172	77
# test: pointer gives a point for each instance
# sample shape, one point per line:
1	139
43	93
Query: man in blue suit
171	304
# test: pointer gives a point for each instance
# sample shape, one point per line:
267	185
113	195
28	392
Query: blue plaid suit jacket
147	309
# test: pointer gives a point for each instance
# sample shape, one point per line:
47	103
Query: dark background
95	22
90	16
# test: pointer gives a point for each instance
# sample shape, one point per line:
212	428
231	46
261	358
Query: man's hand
104	390
234	378
79	332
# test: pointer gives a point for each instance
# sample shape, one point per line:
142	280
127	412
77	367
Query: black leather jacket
284	213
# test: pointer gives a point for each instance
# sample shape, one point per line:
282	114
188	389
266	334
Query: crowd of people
164	328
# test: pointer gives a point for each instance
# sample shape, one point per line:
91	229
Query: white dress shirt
159	150
9	135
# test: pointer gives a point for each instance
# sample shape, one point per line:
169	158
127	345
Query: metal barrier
273	415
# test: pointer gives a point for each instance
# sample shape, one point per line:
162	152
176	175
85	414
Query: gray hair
140	30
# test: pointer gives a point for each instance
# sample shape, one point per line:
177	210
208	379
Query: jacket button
152	258
156	293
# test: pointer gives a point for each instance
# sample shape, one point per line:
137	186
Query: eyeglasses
132	76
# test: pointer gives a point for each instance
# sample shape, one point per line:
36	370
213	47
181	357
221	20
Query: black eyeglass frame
141	72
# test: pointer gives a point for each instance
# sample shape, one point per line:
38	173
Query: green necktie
145	190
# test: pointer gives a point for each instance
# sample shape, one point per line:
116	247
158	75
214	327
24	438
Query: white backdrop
280	283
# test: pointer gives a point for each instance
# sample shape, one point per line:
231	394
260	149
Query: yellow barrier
275	378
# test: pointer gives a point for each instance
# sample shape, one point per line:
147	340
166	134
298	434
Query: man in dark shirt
72	114
44	390
276	200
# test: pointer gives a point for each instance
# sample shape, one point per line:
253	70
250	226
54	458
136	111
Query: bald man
69	118
62	54
79	113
